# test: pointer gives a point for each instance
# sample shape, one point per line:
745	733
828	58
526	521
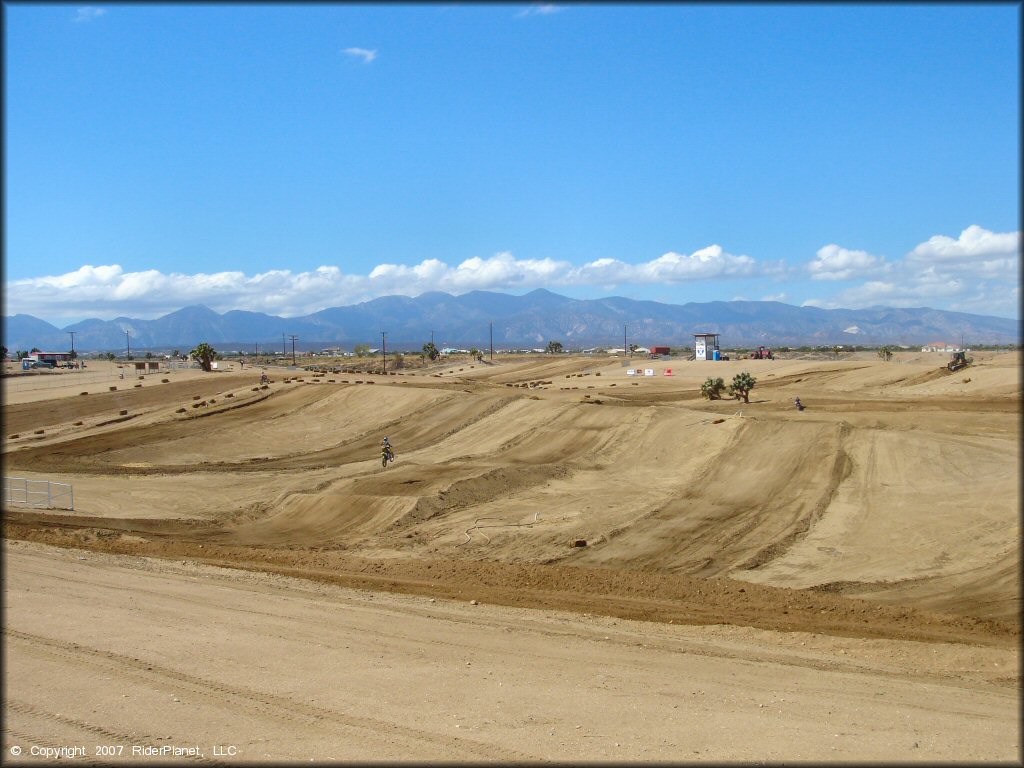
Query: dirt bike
386	455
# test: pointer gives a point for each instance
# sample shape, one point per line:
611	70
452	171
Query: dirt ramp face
923	512
741	507
324	519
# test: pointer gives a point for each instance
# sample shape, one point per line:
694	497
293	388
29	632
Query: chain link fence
38	494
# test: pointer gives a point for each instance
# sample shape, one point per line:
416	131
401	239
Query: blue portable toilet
716	355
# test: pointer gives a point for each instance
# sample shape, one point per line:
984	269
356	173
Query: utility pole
384	348
431	337
491	327
625	348
284	348
293	338
257	352
128	341
72	343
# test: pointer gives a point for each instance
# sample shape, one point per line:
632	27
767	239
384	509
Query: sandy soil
840	583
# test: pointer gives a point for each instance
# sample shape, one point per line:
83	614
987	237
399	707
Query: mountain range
531	320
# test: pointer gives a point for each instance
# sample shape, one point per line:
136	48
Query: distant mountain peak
519	322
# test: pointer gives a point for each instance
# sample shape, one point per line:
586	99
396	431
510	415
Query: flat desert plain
564	563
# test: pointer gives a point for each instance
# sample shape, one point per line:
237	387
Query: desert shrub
712	388
741	385
205	354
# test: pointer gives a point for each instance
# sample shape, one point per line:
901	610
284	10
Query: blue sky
285	159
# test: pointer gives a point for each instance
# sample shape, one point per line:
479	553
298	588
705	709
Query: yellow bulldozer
959	361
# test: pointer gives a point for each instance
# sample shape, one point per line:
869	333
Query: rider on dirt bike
798	404
386	449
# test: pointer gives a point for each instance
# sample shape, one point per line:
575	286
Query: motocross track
881	521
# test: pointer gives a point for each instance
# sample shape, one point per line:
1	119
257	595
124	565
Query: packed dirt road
751	582
134	652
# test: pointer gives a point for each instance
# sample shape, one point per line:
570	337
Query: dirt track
884	513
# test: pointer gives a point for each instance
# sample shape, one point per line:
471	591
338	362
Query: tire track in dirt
119	737
288	711
40	740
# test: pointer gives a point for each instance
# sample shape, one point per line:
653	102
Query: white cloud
107	291
539	9
671	267
976	272
834	262
88	13
974	246
365	54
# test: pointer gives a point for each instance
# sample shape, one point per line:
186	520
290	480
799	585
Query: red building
661	351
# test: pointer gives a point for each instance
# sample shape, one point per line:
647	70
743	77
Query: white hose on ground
476	525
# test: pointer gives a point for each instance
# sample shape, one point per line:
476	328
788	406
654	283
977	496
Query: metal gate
39	494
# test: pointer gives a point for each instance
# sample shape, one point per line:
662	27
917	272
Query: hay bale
122	413
82	393
577	543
